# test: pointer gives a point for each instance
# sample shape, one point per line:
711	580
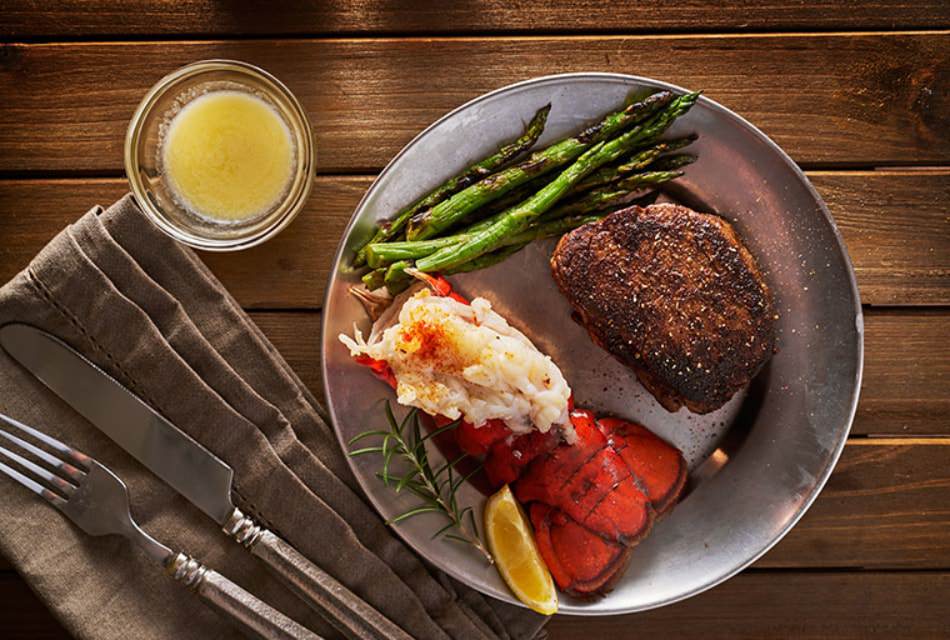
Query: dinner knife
189	468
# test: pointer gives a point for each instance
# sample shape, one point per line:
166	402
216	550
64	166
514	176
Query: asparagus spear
639	180
667	163
374	279
621	193
521	216
677	143
606	175
385	253
380	254
395	274
389	228
639	94
639	160
488	260
427	224
510	199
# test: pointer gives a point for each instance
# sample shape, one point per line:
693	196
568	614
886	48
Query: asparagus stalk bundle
389	228
518	218
383	254
429	223
480	218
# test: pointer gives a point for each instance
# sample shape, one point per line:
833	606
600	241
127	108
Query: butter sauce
227	156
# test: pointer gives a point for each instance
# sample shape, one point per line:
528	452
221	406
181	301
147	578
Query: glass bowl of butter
220	155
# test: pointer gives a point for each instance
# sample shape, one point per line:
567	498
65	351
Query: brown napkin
148	311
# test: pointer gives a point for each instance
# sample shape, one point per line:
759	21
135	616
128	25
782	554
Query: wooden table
857	92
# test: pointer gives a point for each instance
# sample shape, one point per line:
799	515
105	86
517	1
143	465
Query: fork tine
62	485
75	456
33	486
51	460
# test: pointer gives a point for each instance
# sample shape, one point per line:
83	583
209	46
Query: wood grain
803	605
893	221
885	506
82	18
843	606
906	384
867	99
896	226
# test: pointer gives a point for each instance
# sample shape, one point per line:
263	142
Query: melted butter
228	155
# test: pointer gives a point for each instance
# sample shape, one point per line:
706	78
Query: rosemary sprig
437	488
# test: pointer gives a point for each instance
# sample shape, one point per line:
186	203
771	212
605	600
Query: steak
673	294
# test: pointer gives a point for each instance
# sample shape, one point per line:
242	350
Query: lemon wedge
511	542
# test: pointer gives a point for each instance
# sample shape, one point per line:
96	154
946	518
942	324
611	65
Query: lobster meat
589	502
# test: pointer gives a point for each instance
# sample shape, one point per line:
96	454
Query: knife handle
255	618
348	613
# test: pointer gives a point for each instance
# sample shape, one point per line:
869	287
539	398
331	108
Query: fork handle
254	617
349	614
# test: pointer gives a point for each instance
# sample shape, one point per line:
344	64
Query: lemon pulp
511	542
228	155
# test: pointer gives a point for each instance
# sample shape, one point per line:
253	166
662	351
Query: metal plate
757	463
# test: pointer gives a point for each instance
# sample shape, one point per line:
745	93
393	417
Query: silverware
190	469
97	501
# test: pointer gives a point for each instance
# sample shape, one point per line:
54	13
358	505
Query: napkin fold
149	312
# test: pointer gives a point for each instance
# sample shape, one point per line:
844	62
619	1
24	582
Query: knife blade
189	468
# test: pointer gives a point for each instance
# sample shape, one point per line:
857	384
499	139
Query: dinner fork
97	501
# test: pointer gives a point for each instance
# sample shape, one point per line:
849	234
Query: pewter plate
756	464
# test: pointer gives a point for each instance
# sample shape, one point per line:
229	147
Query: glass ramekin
143	163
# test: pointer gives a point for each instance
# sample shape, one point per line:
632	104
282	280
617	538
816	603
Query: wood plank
868	99
789	605
906	384
81	18
804	605
905	390
893	221
887	505
896	227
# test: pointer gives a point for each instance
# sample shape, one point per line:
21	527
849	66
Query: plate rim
622	78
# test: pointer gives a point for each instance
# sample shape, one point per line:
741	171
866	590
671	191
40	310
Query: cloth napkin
149	312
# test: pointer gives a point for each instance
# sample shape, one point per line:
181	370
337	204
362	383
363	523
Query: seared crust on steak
673	294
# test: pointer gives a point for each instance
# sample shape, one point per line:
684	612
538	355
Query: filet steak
673	294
